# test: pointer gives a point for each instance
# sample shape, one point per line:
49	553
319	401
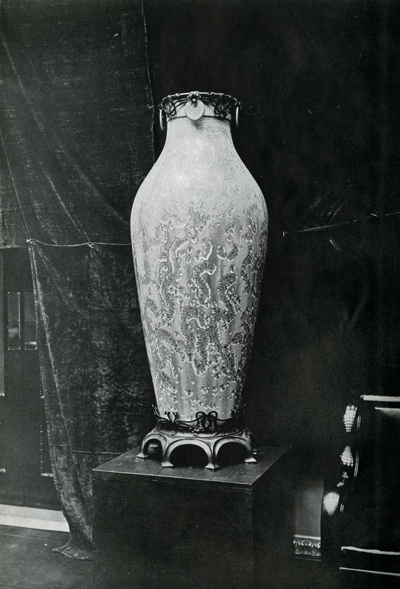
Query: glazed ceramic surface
199	236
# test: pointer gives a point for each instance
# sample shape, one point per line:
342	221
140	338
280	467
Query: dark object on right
360	513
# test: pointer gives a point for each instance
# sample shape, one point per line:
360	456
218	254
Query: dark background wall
319	85
319	82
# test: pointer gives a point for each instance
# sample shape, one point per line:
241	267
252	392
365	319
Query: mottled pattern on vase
199	267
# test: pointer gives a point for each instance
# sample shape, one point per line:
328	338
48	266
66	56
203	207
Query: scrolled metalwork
204	423
223	104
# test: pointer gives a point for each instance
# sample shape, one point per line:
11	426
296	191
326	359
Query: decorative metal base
210	443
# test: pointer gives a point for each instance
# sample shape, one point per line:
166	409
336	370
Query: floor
27	562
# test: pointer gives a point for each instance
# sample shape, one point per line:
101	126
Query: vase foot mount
210	443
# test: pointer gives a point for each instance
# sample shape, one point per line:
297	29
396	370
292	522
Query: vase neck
198	120
208	129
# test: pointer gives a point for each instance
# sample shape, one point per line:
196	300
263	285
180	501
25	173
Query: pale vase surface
199	236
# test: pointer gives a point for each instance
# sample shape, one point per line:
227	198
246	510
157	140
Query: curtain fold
76	142
76	119
94	369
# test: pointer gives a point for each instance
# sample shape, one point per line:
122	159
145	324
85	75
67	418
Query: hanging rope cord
90	244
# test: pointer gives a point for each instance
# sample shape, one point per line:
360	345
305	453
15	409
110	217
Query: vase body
199	236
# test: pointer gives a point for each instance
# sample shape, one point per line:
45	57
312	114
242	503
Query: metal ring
161	119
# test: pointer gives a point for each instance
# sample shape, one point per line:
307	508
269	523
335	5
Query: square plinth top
243	476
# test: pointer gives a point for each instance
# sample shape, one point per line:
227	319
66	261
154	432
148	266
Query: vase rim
216	104
198	94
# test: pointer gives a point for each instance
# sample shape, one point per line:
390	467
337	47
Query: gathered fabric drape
76	142
93	366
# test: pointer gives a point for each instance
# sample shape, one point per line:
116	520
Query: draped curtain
76	142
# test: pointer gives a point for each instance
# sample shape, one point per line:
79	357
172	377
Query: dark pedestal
190	528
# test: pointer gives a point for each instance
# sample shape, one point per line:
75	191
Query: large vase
199	237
